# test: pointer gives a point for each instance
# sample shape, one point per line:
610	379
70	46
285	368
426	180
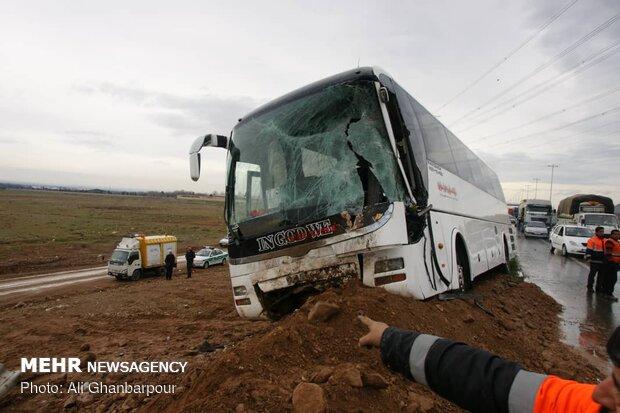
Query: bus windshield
310	158
601	219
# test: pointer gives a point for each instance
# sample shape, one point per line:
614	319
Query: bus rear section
331	182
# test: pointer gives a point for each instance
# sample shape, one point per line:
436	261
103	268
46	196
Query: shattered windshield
313	157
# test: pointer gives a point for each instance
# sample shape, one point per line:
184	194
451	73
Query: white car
570	239
535	229
210	256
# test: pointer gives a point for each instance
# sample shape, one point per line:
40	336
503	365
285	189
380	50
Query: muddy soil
262	362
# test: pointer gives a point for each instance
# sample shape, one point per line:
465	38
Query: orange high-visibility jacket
612	250
567	396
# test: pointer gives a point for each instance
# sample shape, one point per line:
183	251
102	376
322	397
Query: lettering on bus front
293	235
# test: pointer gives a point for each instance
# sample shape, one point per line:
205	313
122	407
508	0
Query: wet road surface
587	319
34	283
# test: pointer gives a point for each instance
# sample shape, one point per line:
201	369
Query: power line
577	134
541	87
543	66
511	53
587	118
550	115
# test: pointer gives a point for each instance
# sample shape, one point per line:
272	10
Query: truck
534	210
588	210
138	254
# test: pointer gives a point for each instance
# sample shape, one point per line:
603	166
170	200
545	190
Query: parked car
210	256
570	239
224	242
535	229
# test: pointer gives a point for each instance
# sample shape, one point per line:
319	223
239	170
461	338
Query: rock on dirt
309	398
70	402
88	357
323	311
421	404
85	347
374	380
349	375
468	318
322	374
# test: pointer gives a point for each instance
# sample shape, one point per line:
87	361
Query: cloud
91	139
178	113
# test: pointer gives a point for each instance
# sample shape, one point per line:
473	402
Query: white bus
350	177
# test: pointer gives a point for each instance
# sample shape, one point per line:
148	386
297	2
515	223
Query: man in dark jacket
189	261
479	381
170	262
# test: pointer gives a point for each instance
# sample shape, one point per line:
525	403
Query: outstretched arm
475	379
472	378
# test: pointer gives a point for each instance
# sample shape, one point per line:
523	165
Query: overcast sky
111	94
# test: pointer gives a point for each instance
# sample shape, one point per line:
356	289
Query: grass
53	222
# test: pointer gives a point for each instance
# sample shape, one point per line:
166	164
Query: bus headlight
392	264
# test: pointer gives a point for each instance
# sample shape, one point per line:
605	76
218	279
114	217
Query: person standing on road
479	381
612	263
171	262
594	253
189	261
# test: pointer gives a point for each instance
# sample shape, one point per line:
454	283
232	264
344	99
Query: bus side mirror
212	140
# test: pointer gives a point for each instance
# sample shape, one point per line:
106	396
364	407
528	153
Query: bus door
442	259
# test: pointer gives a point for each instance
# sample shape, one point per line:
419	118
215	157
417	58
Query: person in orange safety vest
479	381
612	258
594	254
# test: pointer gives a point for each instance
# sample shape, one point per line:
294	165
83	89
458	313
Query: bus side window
436	142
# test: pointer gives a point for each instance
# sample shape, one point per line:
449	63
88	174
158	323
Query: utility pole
527	191
552	166
537	180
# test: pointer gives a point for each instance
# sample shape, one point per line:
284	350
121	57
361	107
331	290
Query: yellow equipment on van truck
139	254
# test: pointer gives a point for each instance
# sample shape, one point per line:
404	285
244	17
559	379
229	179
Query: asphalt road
587	319
35	283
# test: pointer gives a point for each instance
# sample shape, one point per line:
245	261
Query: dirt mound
506	316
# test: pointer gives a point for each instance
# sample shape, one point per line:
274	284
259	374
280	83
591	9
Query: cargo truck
588	210
534	210
137	255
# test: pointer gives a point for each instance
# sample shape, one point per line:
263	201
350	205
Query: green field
44	230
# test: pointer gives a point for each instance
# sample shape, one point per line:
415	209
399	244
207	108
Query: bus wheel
136	275
462	265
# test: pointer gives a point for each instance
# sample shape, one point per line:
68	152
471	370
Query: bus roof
362	73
